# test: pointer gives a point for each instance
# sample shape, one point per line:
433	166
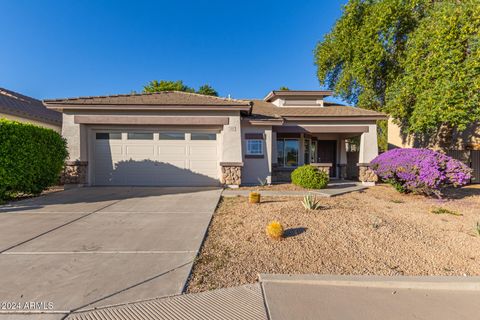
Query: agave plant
310	202
263	182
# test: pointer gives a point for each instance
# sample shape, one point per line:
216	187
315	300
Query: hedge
310	177
31	158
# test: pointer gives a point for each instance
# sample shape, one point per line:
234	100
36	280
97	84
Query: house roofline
336	118
140	107
297	93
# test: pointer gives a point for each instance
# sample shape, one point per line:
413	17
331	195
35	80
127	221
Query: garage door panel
170	166
139	150
172	152
203	152
155	162
105	150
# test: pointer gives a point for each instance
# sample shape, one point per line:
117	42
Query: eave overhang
106	107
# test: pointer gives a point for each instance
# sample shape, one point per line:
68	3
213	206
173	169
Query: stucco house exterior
184	139
467	140
15	106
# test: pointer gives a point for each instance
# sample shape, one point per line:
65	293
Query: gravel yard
377	231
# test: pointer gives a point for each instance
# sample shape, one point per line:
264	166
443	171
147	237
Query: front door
327	153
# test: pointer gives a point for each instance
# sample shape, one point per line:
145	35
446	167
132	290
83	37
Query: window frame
183	134
140	132
192	134
98	136
284	153
248	151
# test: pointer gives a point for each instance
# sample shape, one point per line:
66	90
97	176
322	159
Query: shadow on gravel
460	193
292	232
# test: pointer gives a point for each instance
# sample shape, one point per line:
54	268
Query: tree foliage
167	85
418	60
284	88
207	90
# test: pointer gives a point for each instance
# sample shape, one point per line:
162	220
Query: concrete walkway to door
90	247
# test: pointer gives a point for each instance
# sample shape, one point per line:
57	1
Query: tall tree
415	59
166	85
207	90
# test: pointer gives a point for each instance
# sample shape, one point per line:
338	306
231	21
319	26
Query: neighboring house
468	140
183	139
15	106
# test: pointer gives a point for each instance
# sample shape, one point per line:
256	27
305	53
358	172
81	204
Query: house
467	140
15	106
184	139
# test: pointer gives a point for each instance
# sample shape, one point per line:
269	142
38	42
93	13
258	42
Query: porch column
368	145
270	141
231	157
368	151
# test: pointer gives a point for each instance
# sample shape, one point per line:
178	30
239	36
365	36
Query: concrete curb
394	282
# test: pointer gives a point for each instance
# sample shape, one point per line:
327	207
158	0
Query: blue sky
53	49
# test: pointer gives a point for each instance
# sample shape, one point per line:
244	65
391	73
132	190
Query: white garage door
141	158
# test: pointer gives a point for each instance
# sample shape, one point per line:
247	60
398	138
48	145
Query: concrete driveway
91	247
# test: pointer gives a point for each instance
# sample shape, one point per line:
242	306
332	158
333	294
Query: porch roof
262	110
321	129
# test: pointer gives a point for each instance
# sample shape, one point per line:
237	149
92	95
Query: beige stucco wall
257	168
35	122
470	139
368	145
395	139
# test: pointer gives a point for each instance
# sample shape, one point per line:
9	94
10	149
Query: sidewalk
333	189
322	297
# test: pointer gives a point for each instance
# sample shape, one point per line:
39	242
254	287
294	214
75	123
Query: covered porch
323	145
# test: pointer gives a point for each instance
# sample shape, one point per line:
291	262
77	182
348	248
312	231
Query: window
108	136
255	147
287	152
171	136
313	152
140	136
203	136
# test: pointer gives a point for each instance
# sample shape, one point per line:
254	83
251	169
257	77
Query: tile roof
266	110
16	104
170	98
298	93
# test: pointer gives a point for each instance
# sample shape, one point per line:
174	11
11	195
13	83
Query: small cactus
477	227
275	230
254	197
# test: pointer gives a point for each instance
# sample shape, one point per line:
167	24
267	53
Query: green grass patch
440	210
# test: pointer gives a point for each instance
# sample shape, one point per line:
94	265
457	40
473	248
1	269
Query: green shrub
309	177
31	158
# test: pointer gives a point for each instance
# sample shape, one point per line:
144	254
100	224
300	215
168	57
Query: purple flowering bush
420	170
